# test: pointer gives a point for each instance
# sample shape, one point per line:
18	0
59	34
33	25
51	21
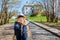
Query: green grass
37	18
12	20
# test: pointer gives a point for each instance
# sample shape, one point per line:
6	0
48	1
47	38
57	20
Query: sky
18	7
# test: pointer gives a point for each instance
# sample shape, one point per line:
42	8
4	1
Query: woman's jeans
25	33
24	37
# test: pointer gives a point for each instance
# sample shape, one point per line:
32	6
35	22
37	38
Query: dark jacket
20	35
17	28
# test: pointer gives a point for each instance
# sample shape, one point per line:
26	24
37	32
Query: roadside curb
54	31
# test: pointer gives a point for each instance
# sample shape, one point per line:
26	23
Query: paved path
6	33
40	34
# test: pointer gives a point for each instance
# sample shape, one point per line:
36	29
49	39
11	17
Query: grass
37	18
11	20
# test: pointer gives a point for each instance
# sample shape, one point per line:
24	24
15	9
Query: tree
46	9
4	10
53	17
49	8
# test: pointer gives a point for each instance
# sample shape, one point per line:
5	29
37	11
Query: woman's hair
20	16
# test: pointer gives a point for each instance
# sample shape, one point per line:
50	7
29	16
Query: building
29	7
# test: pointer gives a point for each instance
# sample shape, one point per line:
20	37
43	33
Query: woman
21	28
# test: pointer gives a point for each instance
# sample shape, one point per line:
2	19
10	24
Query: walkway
41	34
6	33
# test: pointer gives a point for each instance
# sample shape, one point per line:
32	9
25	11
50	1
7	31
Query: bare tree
46	8
53	17
49	8
4	10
